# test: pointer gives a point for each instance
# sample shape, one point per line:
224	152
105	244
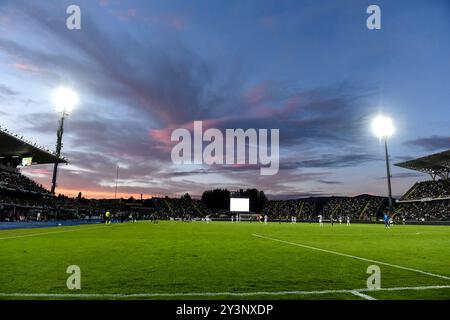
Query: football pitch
224	260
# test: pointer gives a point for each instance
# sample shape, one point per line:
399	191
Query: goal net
249	217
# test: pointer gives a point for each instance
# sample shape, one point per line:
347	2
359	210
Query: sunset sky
309	68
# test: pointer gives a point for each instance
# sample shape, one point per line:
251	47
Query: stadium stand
360	208
429	189
17	182
424	211
15	148
303	209
427	200
180	208
364	207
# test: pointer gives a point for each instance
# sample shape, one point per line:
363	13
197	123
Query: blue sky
310	68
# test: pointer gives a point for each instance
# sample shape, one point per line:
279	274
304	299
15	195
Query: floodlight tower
64	100
383	128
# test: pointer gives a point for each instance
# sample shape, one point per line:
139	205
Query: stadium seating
429	189
303	209
438	210
357	208
16	181
425	201
171	207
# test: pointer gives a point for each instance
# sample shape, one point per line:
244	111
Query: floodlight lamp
64	100
382	127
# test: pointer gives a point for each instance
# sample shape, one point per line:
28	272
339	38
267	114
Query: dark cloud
404	175
329	182
299	195
432	143
332	161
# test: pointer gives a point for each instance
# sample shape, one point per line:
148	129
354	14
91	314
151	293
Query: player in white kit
265	219
320	220
348	220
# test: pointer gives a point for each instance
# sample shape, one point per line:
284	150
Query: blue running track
43	224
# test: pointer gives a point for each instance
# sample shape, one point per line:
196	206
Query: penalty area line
353	257
356	292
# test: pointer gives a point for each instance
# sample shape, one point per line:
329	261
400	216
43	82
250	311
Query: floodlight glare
382	127
64	100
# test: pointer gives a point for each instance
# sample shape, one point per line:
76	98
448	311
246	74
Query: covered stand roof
13	148
437	164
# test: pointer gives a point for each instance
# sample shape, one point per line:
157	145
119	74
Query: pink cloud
40	171
127	15
4	19
256	94
26	67
103	3
268	22
163	135
178	24
132	12
292	103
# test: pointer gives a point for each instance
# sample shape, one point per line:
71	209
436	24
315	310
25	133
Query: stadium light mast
383	128
64	100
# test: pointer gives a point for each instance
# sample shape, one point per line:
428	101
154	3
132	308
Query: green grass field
175	260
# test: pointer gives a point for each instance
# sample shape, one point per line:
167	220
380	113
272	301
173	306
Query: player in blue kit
386	220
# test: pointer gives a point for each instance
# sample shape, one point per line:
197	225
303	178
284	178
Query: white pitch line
212	294
362	295
405	288
354	257
46	233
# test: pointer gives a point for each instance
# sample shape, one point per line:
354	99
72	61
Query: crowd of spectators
302	209
15	181
437	210
425	201
429	189
180	207
357	208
